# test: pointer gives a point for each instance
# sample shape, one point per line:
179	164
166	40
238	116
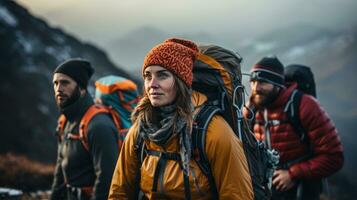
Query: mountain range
30	49
29	52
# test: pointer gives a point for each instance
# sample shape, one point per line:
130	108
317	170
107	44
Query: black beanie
78	69
269	69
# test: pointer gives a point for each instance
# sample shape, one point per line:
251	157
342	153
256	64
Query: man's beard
71	99
263	99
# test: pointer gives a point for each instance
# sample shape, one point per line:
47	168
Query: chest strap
274	122
160	169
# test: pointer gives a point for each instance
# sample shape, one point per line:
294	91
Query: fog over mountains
330	54
30	50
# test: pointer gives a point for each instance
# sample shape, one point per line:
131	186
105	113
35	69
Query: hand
282	180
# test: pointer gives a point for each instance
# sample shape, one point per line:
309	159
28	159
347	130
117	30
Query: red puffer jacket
322	136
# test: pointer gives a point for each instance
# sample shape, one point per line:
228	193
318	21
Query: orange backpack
83	125
118	97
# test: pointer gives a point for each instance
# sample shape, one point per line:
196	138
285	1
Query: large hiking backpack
217	74
118	97
119	94
303	76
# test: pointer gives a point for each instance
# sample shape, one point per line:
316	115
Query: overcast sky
101	21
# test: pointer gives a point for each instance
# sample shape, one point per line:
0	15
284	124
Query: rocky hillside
30	50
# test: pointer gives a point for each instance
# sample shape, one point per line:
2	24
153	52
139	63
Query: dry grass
21	173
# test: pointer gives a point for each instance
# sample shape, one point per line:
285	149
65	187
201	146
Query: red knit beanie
176	55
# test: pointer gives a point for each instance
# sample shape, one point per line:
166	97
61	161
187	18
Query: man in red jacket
302	163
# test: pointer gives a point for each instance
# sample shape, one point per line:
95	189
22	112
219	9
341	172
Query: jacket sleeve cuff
295	172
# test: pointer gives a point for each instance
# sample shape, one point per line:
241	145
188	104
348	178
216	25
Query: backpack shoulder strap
292	109
201	122
140	148
60	127
87	117
118	125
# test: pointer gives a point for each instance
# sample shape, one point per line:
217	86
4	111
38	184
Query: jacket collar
76	110
283	97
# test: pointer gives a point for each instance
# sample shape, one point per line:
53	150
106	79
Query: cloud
102	21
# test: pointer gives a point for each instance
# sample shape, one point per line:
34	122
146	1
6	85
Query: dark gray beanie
78	69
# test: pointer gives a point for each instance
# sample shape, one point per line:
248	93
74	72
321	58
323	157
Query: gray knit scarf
163	132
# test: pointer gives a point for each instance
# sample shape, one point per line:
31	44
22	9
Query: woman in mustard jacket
164	118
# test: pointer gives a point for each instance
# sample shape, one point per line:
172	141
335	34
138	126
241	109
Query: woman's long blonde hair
144	109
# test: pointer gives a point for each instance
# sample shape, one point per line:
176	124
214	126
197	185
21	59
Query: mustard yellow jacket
225	154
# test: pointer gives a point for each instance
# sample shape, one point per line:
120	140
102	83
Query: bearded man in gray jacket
82	171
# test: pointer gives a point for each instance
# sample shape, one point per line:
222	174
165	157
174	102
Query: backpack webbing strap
60	127
186	182
292	110
125	103
202	120
116	120
160	168
139	149
83	125
159	171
